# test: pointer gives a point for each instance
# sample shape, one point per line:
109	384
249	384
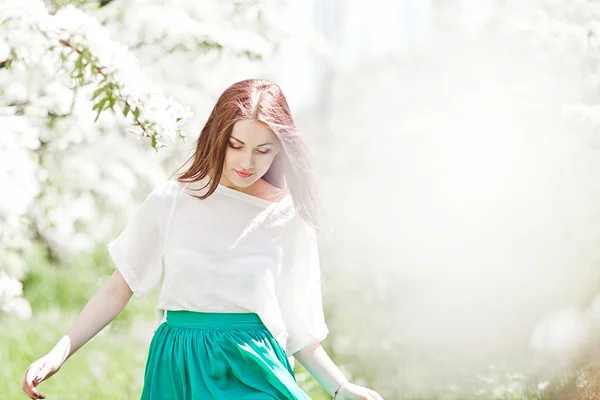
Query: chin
240	182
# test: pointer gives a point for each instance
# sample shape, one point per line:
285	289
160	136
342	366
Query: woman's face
251	149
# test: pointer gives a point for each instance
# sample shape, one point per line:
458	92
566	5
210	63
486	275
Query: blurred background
458	153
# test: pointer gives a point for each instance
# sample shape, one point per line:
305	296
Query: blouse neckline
245	196
259	201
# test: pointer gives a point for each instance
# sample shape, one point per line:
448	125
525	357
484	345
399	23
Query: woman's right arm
103	307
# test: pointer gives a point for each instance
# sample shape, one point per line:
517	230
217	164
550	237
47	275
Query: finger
38	395
34	393
28	381
32	379
41	375
36	381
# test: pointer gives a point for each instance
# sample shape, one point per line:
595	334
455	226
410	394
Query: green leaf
98	92
79	62
126	109
136	113
7	63
100	106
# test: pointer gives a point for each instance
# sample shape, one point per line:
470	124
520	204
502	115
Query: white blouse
232	252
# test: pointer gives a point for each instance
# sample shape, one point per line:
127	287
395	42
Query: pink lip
243	174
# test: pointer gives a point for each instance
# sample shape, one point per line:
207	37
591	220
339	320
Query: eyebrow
264	144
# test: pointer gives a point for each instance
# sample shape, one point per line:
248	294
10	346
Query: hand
350	391
43	369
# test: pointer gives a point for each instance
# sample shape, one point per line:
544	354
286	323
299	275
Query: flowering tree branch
92	58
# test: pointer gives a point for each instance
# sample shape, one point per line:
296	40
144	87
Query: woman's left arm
316	361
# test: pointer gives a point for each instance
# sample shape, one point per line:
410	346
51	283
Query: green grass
110	366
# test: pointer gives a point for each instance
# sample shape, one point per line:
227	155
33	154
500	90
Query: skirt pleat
224	356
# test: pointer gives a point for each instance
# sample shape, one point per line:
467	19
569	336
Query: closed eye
237	146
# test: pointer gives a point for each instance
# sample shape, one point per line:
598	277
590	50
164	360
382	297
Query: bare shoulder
271	192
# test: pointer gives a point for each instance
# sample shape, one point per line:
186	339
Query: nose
247	161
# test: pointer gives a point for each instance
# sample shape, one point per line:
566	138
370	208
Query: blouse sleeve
299	291
137	251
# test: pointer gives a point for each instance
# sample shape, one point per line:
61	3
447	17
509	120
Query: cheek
264	162
230	158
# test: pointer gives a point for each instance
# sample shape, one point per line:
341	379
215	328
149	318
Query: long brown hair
261	100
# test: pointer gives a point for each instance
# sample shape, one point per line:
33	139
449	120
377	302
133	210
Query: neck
248	190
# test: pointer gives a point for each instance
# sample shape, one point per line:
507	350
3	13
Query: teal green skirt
209	355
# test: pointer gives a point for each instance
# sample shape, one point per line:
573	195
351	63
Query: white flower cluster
19	179
18	21
179	28
10	297
72	31
159	116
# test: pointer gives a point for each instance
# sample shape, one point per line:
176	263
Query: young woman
238	260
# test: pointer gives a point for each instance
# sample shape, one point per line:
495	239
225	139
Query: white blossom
17	306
